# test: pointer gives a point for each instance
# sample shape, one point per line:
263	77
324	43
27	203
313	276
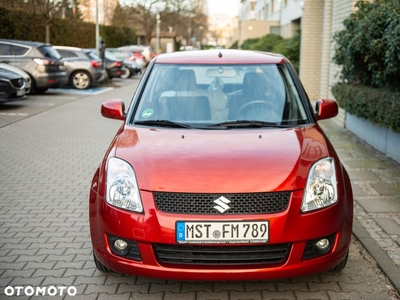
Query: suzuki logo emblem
222	204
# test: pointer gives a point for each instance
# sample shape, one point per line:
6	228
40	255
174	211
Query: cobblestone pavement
47	161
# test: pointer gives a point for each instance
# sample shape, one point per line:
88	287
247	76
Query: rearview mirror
113	109
221	72
326	109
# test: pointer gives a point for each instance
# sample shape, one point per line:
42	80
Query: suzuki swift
220	171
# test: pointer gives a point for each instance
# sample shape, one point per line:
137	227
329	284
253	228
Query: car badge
222	204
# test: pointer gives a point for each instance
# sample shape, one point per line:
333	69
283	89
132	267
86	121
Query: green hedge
274	43
368	48
379	106
16	24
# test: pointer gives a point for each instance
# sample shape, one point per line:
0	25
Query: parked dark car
41	61
20	72
131	66
12	85
114	67
83	68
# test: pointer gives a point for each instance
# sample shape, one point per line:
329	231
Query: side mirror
326	109
113	109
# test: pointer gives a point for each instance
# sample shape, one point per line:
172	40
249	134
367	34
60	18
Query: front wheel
81	80
341	265
100	266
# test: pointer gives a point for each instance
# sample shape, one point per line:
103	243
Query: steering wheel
253	105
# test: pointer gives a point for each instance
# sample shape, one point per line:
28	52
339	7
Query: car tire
126	74
81	80
341	265
100	266
33	86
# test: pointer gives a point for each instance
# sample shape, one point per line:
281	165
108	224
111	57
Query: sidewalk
376	187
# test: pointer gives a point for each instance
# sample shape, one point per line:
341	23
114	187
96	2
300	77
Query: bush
379	106
368	49
275	43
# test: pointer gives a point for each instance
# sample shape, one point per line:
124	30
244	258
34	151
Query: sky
223	7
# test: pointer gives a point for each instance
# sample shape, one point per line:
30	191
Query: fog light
323	245
121	247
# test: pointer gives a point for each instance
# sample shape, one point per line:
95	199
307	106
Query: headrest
185	81
254	83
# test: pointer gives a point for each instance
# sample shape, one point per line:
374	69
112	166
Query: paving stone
172	287
358	175
211	295
317	295
256	295
385	188
141	288
389	225
289	286
260	286
381	205
158	296
229	286
288	295
114	297
197	286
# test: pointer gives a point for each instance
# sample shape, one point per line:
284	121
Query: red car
220	171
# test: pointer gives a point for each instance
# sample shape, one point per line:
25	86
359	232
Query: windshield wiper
247	124
163	123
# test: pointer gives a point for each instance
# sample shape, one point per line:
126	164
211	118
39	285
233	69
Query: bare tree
177	15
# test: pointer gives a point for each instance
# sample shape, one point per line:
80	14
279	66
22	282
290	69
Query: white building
280	16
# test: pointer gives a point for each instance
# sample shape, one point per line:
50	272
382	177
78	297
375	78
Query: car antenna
219	49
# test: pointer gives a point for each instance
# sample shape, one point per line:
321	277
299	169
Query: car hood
220	161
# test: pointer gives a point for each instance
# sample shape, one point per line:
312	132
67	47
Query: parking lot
50	147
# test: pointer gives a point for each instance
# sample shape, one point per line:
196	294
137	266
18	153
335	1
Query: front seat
254	87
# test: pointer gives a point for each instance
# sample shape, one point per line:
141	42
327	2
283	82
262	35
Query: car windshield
211	96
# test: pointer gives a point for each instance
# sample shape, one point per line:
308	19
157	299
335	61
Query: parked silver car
83	68
41	61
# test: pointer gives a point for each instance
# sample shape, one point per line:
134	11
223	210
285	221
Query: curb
383	260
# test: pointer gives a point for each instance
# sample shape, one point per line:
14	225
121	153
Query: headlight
321	189
122	187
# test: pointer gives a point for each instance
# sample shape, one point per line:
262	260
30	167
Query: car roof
220	56
68	48
28	43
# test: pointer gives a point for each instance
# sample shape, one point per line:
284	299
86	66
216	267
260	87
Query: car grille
222	255
203	204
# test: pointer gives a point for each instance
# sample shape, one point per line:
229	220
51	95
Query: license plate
21	93
222	232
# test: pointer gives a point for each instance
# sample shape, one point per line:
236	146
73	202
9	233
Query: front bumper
155	228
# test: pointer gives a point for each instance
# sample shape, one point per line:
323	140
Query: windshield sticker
147	113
